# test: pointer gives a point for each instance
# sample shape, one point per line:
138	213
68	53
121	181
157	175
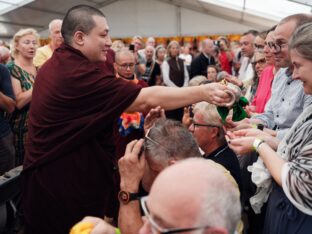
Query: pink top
263	92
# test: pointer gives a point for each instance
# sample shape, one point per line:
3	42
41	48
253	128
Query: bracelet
256	144
117	231
260	126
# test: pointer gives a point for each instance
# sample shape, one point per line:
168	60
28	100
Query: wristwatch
126	197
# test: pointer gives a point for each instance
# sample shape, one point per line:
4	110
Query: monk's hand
216	94
131	166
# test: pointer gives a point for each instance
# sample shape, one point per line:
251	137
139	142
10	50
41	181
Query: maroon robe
69	163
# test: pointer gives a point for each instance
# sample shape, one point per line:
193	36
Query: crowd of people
108	132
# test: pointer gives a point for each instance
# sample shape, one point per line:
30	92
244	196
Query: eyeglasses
276	46
194	125
259	47
157	229
260	61
125	66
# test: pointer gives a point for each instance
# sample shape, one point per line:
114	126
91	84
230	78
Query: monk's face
97	42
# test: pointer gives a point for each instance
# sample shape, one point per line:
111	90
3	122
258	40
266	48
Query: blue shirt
286	103
6	89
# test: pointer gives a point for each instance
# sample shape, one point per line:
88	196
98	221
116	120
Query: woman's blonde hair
19	35
172	43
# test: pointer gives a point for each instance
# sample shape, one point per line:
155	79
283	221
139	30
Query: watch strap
257	142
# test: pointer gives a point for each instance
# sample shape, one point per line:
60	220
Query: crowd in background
273	137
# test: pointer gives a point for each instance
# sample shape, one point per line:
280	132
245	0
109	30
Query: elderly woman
23	73
289	207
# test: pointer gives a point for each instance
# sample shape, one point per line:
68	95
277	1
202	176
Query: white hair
53	22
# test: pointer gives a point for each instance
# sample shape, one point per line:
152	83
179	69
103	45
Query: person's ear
79	38
115	67
214	132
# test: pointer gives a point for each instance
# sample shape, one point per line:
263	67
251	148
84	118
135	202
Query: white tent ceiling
144	17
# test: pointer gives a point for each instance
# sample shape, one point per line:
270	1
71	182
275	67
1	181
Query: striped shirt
296	148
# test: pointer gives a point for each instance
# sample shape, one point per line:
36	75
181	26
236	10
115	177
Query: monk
69	164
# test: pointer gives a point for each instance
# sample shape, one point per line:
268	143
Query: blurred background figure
117	45
175	74
4	54
56	39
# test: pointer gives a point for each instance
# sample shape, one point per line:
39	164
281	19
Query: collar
133	79
207	56
217	152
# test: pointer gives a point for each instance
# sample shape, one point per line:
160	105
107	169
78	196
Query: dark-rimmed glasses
194	125
158	229
276	46
125	66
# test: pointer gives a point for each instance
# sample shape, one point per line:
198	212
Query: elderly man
200	63
165	143
70	129
207	129
192	195
45	52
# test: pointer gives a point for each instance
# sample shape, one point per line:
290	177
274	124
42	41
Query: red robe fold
69	163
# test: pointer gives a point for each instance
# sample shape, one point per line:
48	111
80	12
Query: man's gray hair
211	116
197	80
53	22
301	41
174	141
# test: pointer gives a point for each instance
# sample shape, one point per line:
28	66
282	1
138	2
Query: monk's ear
79	38
115	67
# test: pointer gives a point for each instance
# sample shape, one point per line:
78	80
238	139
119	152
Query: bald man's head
196	192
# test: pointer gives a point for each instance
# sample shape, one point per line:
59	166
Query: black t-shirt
227	158
156	72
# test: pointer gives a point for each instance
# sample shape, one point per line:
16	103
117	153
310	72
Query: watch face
123	196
